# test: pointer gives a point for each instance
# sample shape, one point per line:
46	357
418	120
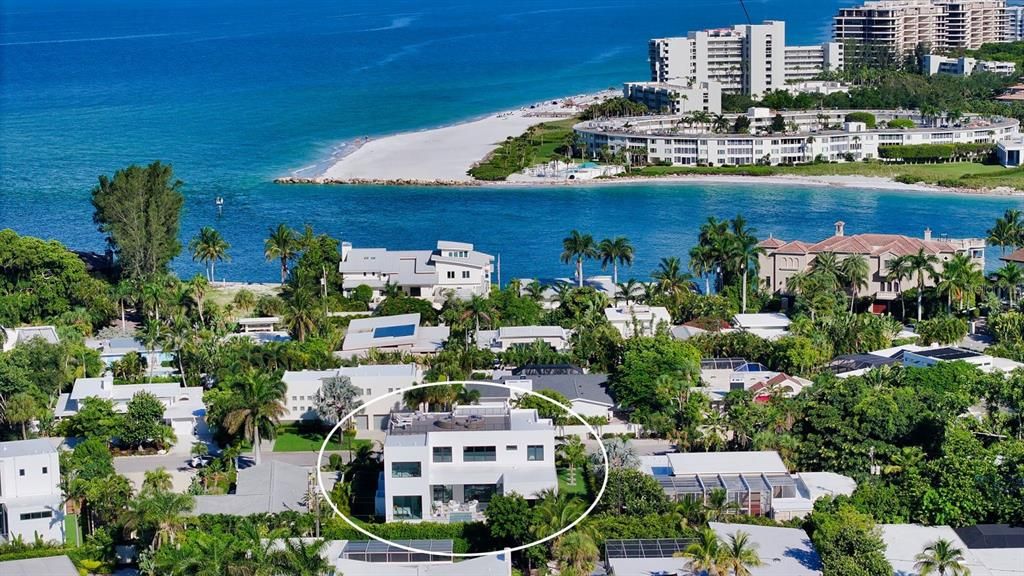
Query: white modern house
637	319
401	333
767	325
965	66
184	410
451	268
758	482
916	356
15	336
371	380
31	502
502	339
445	467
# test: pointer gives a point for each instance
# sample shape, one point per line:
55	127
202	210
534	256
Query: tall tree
139	211
259	408
855	270
615	251
578	247
670	277
209	247
283	245
20	410
705	554
921	265
336	398
1008	231
740	554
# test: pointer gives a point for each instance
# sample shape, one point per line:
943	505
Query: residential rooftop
17	448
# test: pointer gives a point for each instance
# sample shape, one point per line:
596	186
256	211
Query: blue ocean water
235	92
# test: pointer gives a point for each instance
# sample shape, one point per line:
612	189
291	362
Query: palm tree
158	480
554	512
720	123
535	291
746	252
301	314
281	244
739	553
855	270
628	290
302	558
941	557
573	454
719	506
578	247
1009	278
702	264
259	396
615	251
208	247
705	554
161	511
1008	231
899	270
961	278
826	264
576	554
670	278
919	265
20	409
478	307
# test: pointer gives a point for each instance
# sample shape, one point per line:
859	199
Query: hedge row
942	152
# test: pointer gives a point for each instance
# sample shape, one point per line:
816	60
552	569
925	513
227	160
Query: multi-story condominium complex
781	259
31	503
745	59
452	267
371	380
964	66
1014	23
445	467
758	483
896	27
676	97
811	135
184	410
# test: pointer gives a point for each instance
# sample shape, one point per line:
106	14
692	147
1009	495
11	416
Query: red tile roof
867	244
1015	256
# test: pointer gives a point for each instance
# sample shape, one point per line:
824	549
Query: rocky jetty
372	181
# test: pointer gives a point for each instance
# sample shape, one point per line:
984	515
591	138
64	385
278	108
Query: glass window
442	454
406	470
37	515
535	453
480	492
46	470
479	454
443	493
407	507
511	447
465	273
21	472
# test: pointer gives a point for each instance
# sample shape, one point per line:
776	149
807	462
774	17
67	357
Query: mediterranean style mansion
781	260
810	135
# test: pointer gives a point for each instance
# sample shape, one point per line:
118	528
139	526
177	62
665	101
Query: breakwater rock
372	181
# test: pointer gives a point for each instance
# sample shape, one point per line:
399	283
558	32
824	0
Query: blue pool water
236	92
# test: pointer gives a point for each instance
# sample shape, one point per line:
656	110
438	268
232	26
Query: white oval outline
587	512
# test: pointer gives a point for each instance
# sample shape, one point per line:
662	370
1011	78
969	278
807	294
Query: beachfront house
184	410
638	319
451	268
445	467
757	482
401	333
371	380
31	503
781	260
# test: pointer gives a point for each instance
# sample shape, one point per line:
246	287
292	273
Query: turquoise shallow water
234	92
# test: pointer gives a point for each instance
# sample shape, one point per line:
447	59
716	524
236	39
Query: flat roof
762	320
31	447
46	566
783	551
948	353
992	536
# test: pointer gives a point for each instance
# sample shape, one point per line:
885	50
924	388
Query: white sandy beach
445	154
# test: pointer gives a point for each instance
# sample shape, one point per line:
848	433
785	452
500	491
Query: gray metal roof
271	487
590	387
26	447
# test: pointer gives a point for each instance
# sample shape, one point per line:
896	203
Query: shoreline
833	181
440	155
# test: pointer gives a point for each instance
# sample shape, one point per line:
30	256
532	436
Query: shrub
866	117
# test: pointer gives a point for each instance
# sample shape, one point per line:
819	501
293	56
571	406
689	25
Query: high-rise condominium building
896	27
745	59
1014	23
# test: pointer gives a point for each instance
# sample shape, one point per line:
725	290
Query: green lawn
72	532
952	174
578	489
293	440
542	143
